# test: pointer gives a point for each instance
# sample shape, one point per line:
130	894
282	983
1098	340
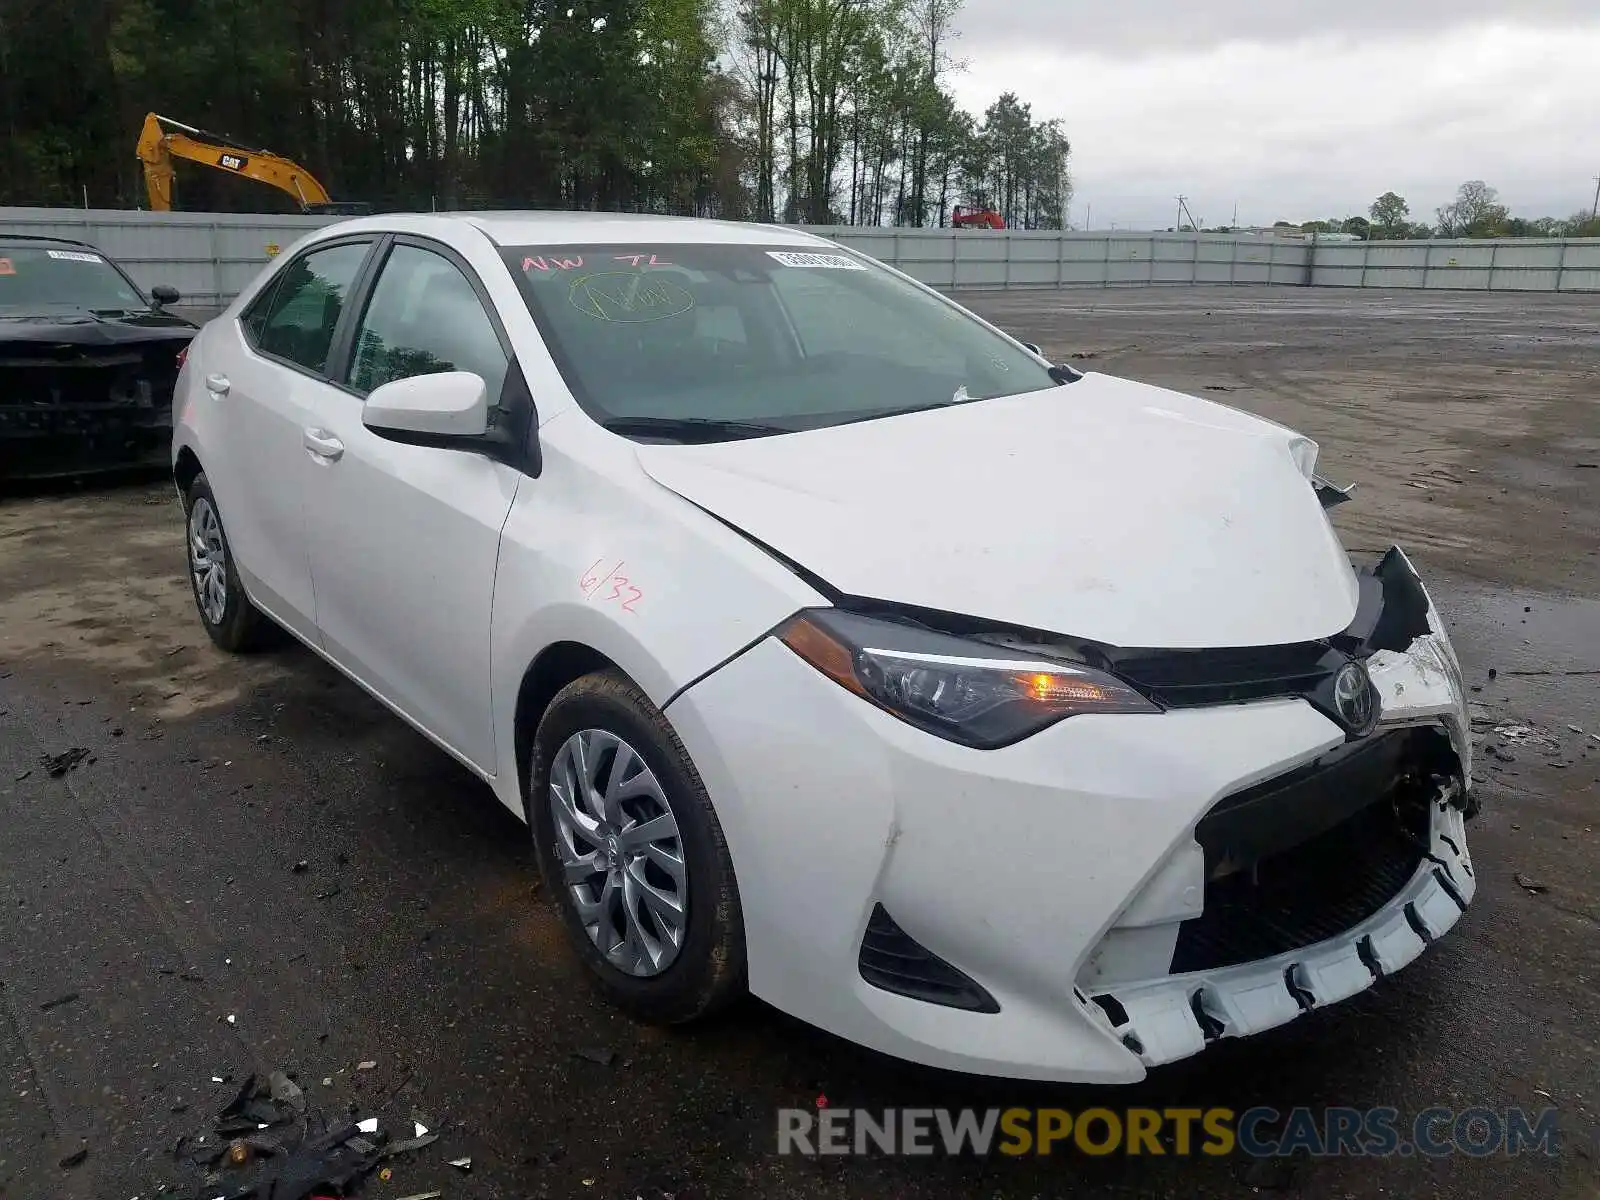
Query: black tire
242	627
709	970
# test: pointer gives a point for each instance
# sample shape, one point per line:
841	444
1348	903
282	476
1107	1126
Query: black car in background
87	362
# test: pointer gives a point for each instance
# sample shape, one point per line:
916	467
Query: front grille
1190	678
1284	811
132	374
1305	857
69	409
893	960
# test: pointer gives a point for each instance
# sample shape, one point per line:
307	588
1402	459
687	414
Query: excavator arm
164	139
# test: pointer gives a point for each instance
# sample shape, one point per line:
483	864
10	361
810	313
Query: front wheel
632	852
231	621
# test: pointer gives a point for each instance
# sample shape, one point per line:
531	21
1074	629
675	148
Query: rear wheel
231	621
631	850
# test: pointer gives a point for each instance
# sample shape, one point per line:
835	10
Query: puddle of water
1560	633
1531	653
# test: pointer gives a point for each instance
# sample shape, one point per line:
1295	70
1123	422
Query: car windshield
42	278
706	342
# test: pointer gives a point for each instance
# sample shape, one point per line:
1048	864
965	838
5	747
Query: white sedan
836	646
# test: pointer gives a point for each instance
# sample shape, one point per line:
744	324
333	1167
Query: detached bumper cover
1173	1017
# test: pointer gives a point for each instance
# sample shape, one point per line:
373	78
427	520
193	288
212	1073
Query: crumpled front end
1117	890
1300	890
68	409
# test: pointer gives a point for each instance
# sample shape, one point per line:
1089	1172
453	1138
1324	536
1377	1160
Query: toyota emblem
1354	698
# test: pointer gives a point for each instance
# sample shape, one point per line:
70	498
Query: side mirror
164	294
448	409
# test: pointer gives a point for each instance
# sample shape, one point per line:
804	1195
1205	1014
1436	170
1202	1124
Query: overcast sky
1297	110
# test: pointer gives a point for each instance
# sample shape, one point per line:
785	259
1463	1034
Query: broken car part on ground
269	1144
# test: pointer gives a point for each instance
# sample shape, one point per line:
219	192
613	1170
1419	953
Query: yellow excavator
164	139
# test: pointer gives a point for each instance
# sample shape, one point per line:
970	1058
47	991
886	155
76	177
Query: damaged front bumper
1407	823
1174	1016
1082	905
75	410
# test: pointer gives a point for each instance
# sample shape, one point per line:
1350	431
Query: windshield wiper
692	429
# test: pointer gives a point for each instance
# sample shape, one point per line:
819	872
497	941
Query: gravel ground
151	893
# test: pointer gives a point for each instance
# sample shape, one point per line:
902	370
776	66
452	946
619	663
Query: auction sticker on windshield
74	256
827	262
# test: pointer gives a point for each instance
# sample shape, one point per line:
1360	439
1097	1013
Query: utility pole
1183	209
1595	211
1088	218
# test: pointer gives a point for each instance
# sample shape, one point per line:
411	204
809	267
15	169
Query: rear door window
303	310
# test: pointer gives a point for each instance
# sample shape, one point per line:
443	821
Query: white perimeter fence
210	257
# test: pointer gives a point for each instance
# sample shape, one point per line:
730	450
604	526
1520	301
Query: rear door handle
217	385
323	445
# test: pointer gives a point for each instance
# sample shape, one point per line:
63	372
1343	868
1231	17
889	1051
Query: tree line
852	120
1476	212
825	111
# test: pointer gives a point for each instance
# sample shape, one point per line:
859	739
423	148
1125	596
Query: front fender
1423	683
595	552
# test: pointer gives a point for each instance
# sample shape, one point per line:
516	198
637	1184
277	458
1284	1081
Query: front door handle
217	385
323	445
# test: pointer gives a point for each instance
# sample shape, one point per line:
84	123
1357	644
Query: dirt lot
155	934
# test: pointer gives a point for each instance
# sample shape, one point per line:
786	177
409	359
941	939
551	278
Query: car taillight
183	356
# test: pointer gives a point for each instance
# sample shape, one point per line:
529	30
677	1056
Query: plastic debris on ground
267	1144
1525	735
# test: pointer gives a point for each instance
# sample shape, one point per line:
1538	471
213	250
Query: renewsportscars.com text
1257	1132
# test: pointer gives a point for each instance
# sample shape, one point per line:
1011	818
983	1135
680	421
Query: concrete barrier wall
1015	259
211	257
1502	265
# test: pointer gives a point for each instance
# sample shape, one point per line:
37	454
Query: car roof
527	228
520	228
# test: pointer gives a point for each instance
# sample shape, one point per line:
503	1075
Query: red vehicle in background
976	218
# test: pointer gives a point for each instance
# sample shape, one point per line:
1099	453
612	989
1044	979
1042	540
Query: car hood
1105	509
78	328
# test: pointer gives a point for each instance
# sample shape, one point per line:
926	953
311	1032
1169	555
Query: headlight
969	692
